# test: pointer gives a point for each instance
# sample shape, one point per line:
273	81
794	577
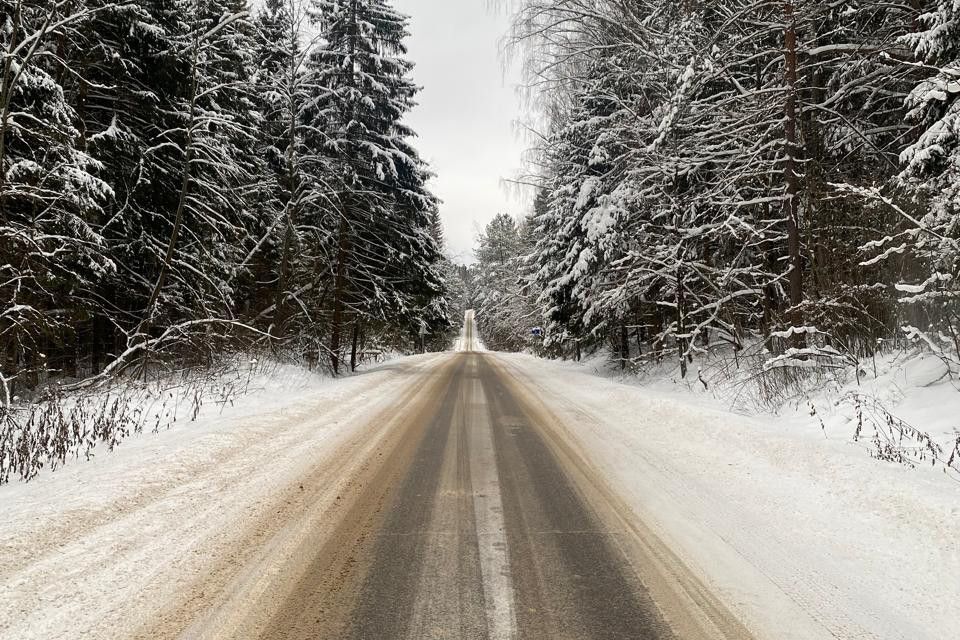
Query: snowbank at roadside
890	406
796	526
100	546
58	429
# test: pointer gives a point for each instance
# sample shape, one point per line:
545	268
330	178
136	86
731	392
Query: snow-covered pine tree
381	245
283	262
928	227
51	195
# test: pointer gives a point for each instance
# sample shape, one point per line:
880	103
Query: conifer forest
732	176
180	177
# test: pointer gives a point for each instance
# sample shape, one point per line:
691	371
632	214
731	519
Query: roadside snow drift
98	548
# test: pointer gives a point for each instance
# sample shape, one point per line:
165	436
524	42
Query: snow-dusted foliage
50	191
174	173
505	313
928	229
384	255
704	171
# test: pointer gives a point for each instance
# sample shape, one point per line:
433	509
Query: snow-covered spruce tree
188	230
853	77
166	171
132	75
690	157
589	69
160	91
504	311
51	196
112	101
566	263
443	331
384	261
776	110
285	263
928	226
212	149
627	163
461	292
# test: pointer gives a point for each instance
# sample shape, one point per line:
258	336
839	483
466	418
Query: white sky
467	111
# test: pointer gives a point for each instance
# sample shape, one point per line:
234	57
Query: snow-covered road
210	530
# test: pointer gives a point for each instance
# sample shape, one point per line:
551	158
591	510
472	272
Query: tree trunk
639	332
281	293
624	346
97	344
147	321
658	334
791	180
343	240
339	293
353	349
6	96
292	185
681	324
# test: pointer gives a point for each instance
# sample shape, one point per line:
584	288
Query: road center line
488	510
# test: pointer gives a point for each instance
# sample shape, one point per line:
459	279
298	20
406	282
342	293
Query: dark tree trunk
97	345
681	325
624	346
281	293
353	348
339	293
791	180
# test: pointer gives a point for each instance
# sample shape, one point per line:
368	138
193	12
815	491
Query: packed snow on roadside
99	546
902	405
804	534
61	429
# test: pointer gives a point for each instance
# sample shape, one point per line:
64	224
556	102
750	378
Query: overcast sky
467	110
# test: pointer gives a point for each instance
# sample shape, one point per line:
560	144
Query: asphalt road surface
481	522
461	510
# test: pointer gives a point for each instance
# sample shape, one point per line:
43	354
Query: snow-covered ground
135	407
796	527
97	547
